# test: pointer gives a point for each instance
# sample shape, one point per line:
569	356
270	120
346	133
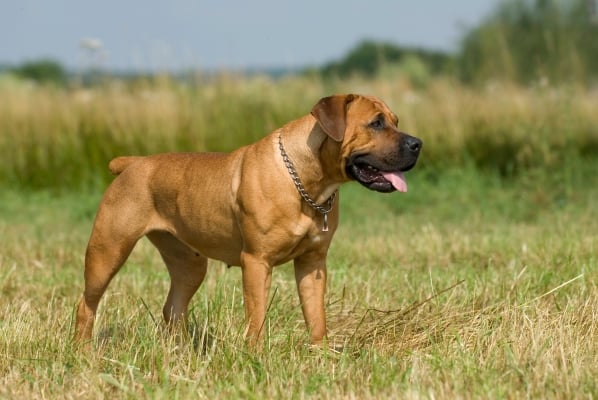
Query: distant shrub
416	70
369	57
43	71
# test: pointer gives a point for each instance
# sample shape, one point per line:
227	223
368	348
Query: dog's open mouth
374	178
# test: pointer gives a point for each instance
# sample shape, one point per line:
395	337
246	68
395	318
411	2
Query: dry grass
56	138
485	303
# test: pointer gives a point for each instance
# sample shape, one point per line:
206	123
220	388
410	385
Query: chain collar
324	210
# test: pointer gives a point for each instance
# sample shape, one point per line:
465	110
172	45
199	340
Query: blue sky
211	34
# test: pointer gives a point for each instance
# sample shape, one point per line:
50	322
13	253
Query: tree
368	57
43	71
527	40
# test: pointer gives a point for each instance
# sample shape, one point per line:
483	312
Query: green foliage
532	40
369	57
42	71
415	73
523	41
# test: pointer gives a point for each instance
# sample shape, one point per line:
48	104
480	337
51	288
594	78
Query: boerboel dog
258	207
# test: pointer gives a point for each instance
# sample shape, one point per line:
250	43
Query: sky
223	34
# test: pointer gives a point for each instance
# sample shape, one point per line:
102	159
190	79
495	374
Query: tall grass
58	138
63	138
464	287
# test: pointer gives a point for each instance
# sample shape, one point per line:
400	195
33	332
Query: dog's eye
378	123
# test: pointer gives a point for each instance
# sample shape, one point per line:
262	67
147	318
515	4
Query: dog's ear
331	113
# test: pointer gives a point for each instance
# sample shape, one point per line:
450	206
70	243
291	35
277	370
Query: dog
258	207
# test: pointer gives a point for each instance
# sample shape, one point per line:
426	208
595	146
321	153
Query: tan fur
119	164
241	208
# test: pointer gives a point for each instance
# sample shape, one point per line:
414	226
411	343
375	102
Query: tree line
524	41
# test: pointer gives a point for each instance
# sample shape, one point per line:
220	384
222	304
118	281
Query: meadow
479	282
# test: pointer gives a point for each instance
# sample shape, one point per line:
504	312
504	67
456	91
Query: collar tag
325	226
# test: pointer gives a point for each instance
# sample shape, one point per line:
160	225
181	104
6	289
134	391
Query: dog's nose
412	144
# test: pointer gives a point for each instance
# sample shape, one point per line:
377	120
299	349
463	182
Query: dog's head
372	149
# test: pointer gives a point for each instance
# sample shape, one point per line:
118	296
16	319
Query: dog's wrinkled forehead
382	107
335	113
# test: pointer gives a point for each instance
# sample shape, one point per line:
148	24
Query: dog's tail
119	164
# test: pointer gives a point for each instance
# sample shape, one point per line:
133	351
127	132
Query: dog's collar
323	209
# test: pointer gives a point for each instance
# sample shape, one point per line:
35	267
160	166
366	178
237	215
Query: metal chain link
295	177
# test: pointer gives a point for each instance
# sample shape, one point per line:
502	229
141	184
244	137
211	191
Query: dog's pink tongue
397	179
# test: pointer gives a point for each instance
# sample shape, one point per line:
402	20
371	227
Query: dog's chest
308	234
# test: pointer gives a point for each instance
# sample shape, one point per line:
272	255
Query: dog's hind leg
187	270
105	255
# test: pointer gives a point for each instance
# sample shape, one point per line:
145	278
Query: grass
62	139
479	282
468	286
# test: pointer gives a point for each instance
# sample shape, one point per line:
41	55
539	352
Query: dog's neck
305	147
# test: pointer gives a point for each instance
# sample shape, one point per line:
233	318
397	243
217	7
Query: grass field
480	282
518	318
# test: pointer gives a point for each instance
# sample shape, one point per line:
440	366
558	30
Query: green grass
62	139
471	285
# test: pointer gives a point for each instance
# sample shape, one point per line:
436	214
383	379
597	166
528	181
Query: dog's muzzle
385	174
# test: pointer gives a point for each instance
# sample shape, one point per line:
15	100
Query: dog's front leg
310	274
257	277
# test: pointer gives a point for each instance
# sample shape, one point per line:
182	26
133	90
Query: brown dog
257	207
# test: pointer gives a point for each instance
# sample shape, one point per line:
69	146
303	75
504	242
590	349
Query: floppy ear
331	112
